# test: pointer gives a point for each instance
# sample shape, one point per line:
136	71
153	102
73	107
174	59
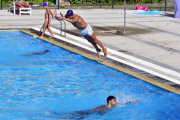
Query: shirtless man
111	102
85	29
47	20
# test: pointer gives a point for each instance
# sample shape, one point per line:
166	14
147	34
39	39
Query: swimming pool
62	81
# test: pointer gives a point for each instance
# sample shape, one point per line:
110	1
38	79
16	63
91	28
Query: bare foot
105	52
51	37
98	52
41	37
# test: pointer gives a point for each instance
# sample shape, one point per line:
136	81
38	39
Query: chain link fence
116	2
164	5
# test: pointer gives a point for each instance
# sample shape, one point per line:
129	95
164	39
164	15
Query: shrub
94	2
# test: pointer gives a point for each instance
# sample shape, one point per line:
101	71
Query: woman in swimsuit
47	21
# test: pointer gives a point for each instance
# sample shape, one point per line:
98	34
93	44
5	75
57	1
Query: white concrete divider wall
159	68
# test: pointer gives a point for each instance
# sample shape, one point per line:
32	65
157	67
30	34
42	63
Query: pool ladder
62	29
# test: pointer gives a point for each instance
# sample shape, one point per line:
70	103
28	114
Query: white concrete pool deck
156	52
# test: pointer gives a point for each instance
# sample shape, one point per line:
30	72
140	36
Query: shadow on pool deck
112	31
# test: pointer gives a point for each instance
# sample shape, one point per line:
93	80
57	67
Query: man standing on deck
85	29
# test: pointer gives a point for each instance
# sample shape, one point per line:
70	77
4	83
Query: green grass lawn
5	4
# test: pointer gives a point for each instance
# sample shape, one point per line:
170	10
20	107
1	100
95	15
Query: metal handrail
61	25
64	28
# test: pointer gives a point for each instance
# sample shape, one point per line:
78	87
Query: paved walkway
153	38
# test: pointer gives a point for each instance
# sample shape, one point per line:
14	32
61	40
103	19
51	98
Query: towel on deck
150	12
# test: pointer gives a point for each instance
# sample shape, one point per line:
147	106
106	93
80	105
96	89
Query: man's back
78	22
84	28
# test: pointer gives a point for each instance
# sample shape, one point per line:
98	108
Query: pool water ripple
63	82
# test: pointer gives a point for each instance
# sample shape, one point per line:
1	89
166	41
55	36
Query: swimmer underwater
36	53
111	102
85	29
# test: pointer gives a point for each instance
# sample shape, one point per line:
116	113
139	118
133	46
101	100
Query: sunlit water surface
63	82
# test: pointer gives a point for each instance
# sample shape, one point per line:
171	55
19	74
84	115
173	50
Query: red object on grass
138	7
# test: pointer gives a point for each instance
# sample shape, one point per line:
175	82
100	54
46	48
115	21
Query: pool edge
129	72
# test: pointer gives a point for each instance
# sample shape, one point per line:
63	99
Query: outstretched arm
73	20
135	102
57	17
132	102
52	14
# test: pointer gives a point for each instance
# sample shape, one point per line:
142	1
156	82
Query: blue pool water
63	82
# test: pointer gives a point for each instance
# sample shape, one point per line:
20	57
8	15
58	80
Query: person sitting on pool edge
85	29
111	102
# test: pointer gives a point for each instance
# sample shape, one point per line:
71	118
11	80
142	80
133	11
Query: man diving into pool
85	29
111	102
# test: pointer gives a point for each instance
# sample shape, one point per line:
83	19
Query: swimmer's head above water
111	101
46	51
